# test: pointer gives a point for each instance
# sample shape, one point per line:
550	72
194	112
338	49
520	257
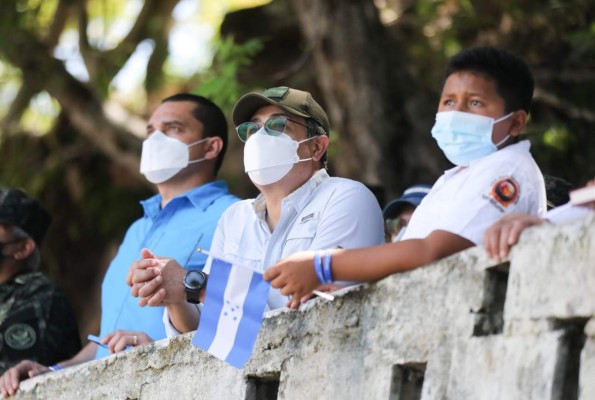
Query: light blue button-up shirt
323	213
186	223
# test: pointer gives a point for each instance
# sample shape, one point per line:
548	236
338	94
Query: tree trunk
362	72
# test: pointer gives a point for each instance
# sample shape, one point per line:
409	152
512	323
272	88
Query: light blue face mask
464	137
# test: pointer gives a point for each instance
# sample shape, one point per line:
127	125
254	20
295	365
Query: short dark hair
19	210
514	81
314	129
210	115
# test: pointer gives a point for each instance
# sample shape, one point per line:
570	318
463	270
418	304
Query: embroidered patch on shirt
20	336
307	218
504	192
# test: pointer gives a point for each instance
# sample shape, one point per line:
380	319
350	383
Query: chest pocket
301	235
244	253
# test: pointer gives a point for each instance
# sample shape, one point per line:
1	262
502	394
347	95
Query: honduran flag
232	313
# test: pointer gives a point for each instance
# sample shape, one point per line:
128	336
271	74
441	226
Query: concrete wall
461	328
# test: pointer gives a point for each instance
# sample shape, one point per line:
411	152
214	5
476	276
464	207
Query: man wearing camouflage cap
36	321
300	207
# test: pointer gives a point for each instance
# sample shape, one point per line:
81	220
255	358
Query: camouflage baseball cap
293	101
18	209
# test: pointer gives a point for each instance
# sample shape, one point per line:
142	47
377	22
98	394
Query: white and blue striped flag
232	314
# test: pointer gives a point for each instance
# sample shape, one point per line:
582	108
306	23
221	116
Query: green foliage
557	137
583	42
220	83
558	41
41	114
37	14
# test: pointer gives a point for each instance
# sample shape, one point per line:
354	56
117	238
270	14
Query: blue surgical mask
465	137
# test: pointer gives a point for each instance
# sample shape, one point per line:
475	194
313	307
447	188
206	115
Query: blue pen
96	339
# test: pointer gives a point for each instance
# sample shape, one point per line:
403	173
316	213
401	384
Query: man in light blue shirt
185	145
300	207
186	223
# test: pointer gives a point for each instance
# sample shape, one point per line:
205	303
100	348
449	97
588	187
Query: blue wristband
56	367
318	267
326	267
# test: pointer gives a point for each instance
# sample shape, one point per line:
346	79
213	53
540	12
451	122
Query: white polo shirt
324	213
466	201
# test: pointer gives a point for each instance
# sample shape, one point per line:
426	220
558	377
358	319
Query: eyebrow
167	123
173	122
451	94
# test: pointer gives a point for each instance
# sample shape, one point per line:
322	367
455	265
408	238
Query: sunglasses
394	225
273	126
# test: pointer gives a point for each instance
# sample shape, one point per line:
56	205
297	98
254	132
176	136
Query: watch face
194	279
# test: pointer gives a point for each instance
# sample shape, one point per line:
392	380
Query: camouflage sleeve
40	325
62	339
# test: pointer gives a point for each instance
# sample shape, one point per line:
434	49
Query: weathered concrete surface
553	274
497	367
587	362
471	329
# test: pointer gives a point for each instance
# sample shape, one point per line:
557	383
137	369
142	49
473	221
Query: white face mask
163	157
267	159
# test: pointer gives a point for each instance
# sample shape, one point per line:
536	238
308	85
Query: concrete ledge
461	328
553	273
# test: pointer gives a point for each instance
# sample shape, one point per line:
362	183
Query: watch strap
193	294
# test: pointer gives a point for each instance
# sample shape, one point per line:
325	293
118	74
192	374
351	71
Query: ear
519	120
321	144
26	247
214	146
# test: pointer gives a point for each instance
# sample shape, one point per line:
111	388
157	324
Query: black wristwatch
194	281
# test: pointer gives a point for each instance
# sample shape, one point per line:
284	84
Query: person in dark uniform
36	320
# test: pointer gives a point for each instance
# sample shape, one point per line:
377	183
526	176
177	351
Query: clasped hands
156	281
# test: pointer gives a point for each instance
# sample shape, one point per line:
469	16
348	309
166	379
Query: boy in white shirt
483	109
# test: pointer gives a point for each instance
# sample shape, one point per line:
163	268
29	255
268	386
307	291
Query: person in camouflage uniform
36	320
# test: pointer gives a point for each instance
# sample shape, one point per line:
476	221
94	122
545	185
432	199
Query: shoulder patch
20	336
504	192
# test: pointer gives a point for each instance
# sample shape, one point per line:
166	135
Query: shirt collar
296	198
450	172
522	146
200	197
